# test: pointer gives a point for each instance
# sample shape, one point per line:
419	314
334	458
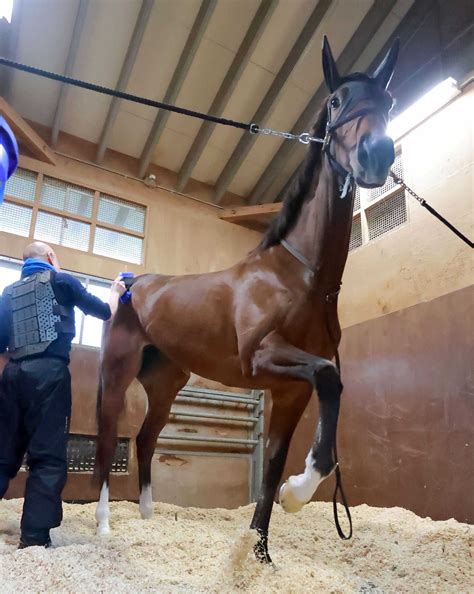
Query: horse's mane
298	191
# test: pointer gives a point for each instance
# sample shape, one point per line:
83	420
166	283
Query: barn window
67	197
62	231
15	218
63	213
22	184
120	246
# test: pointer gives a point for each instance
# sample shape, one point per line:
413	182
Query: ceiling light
433	100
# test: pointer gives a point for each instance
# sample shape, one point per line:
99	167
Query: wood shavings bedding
201	550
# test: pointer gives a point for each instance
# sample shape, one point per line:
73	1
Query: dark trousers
35	408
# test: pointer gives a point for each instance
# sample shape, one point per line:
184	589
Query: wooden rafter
269	101
25	133
179	76
263	190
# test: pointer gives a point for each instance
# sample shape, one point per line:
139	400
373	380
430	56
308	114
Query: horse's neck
323	229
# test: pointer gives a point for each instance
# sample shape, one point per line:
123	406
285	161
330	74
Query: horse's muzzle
375	155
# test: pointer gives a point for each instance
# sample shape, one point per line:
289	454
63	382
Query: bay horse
268	322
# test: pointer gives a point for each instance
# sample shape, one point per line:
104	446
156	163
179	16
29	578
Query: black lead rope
429	208
339	488
126	96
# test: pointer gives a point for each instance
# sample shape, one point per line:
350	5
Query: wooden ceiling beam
378	12
179	76
125	73
257	213
269	101
25	133
71	59
241	59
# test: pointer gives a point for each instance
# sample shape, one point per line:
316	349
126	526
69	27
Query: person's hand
118	286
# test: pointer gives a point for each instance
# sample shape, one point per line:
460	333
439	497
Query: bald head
41	251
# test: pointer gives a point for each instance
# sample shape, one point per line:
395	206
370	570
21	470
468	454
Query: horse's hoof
146	513
261	549
289	502
103	530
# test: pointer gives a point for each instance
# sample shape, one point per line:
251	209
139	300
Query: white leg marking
299	489
102	512
146	503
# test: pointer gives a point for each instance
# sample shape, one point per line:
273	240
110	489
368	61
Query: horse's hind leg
121	360
288	406
162	380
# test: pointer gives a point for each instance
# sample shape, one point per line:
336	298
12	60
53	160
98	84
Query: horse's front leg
277	357
288	406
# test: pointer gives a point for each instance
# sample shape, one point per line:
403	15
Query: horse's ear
331	75
384	71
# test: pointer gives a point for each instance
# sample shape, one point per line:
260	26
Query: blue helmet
8	155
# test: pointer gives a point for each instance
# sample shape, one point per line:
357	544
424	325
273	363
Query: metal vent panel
62	231
356	233
81	454
15	219
357	199
120	246
68	197
387	214
121	213
397	168
22	184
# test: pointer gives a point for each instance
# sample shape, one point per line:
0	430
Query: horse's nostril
363	153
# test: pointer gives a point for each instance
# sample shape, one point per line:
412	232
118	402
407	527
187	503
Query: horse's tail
98	470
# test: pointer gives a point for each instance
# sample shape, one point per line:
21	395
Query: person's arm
4	325
88	303
116	291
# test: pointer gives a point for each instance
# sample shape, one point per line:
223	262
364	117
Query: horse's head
358	112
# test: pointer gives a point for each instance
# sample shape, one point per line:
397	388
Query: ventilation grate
357	199
81	454
397	168
120	246
62	231
387	214
356	233
68	197
121	214
22	184
15	219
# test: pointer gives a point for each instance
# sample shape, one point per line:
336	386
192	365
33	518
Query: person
36	327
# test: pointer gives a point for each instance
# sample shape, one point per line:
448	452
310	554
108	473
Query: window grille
81	454
397	168
387	214
15	219
121	214
68	197
357	199
62	231
120	246
22	184
356	233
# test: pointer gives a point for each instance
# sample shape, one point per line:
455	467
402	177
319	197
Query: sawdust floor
197	550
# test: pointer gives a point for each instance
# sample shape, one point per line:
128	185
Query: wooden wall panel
406	431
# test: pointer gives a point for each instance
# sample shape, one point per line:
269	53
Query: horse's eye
335	102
